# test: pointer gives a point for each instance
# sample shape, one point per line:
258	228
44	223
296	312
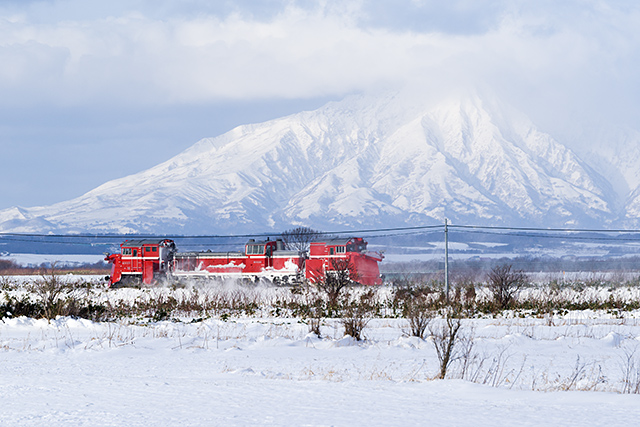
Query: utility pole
446	259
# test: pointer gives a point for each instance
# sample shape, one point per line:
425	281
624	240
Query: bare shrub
53	292
194	303
407	295
162	307
356	314
418	315
491	369
467	353
340	275
312	308
630	373
7	283
464	290
504	284
316	313
299	238
582	373
446	341
354	321
314	326
416	304
57	297
16	307
468	294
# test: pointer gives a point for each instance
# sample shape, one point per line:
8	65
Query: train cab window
126	251
135	252
147	249
330	251
356	248
255	249
340	249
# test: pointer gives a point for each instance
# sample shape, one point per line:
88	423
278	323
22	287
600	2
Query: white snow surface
270	371
60	260
366	160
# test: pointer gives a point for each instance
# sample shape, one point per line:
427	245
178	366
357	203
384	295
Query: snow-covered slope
615	153
374	161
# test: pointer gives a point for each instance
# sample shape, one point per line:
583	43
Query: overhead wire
566	230
563	237
211	236
543	233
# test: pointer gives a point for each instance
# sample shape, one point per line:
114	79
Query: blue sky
94	90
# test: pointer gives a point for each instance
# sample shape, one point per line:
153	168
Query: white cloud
82	80
573	52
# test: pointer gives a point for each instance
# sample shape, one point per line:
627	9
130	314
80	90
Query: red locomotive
149	260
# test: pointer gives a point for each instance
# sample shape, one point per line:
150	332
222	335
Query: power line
53	242
565	230
564	237
380	232
211	236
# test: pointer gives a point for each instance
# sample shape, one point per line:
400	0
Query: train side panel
209	263
266	259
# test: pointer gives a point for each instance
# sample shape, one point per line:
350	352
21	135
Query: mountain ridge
364	161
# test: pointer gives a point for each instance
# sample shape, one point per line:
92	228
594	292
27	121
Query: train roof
261	242
335	241
141	242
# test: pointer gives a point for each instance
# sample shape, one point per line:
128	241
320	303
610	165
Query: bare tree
299	238
504	284
447	342
338	276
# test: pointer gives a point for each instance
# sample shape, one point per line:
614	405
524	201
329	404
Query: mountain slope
375	161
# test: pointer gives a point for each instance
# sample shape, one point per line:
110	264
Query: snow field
269	371
263	368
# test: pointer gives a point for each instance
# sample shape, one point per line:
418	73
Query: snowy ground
61	260
271	371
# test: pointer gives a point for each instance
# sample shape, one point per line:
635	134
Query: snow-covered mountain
364	161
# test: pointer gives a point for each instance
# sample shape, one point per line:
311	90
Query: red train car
146	261
141	261
266	259
328	256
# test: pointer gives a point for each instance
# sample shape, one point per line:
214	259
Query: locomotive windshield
255	249
356	248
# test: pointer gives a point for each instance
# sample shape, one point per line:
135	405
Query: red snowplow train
148	261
